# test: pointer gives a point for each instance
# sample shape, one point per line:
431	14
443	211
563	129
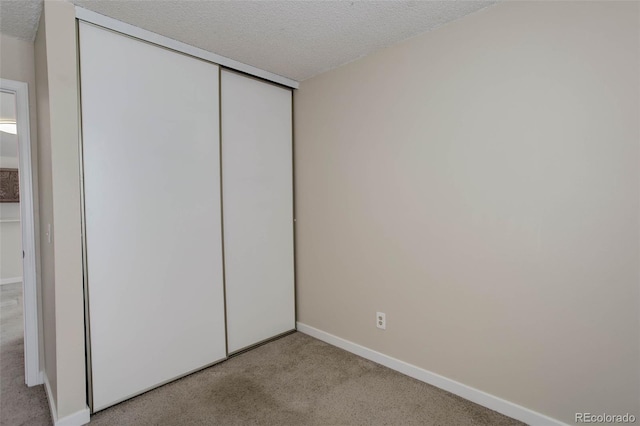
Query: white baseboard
78	418
52	405
11	280
492	402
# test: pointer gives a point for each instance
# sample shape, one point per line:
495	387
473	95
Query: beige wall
10	241
65	173
480	185
46	209
59	167
17	63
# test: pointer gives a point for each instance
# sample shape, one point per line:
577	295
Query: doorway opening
18	283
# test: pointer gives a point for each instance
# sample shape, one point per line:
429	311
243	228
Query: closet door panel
150	122
258	209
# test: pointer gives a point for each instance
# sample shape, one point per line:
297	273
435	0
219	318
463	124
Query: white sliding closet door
150	123
258	209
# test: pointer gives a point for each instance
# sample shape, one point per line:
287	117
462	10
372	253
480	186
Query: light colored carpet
19	404
295	380
298	380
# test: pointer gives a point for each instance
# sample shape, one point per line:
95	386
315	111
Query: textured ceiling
19	18
295	39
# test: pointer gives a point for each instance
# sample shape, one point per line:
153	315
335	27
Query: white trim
492	402
52	403
9	220
78	418
130	30
12	280
30	288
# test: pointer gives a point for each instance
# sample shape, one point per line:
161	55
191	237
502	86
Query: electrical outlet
381	320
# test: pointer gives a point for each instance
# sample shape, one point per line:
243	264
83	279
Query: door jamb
32	373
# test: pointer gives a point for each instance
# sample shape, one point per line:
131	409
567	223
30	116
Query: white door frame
32	374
